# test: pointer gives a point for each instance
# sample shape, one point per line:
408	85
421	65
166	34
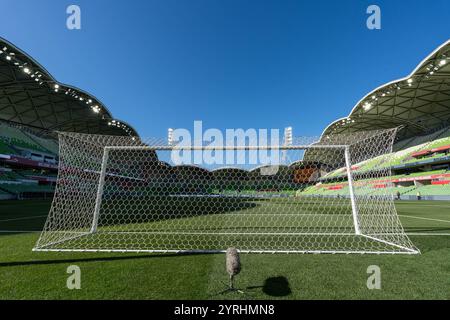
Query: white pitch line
437	204
23	218
421	218
427	234
430	205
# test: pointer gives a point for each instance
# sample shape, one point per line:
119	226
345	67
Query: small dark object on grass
233	263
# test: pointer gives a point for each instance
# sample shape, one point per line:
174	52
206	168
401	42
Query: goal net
328	195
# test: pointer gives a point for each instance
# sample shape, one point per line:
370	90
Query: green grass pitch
42	275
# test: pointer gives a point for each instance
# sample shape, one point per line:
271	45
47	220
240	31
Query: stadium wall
437	198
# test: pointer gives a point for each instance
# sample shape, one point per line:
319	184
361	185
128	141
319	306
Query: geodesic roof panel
418	103
29	95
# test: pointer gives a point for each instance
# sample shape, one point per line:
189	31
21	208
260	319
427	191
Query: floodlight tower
170	136
287	141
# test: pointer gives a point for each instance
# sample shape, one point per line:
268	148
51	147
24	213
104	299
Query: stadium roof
29	95
419	103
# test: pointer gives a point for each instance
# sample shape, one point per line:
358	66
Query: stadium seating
430	190
10	176
403	157
15	180
14	137
49	145
418	140
35	173
371	187
420	174
5	149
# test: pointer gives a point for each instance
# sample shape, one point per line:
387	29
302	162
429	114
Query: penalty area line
427	234
421	218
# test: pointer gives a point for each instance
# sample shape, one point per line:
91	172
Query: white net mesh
126	194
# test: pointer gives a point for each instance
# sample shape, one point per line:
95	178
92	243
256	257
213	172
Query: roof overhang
418	103
29	95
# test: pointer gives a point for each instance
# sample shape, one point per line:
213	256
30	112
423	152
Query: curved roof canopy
419	103
29	95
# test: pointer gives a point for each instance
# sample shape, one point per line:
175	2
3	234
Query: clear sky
229	63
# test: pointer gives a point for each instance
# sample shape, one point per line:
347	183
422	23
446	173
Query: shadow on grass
275	287
13	232
169	207
99	259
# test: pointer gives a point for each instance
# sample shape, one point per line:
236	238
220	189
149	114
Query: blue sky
231	64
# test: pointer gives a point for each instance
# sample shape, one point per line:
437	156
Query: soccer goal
332	195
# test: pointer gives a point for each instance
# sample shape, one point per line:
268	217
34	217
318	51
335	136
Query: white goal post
123	194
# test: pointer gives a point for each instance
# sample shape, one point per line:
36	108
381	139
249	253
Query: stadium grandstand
33	106
419	105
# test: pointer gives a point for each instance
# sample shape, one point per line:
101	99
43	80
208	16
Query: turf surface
42	275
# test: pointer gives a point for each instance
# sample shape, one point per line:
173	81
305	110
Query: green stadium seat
16	137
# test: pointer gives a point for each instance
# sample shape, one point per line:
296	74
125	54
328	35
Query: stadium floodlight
288	136
442	62
170	136
113	194
287	142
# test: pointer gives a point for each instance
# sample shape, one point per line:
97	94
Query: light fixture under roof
410	80
28	67
442	62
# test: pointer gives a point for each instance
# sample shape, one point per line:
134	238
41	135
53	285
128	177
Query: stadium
46	125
